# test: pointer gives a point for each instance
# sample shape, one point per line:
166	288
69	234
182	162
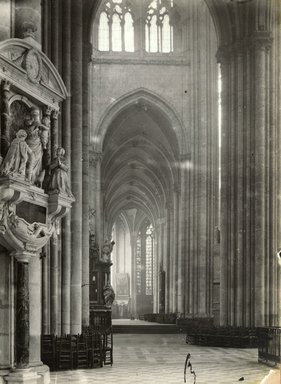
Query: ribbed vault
140	150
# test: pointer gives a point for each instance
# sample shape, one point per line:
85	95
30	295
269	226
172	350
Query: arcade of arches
169	187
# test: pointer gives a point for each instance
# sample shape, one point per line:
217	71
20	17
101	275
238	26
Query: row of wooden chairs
88	350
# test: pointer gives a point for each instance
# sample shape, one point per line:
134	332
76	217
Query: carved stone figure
94	247
108	294
37	139
17	156
59	174
106	250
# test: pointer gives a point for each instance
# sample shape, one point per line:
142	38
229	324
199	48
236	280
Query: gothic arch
144	99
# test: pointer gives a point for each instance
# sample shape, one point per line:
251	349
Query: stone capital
261	40
95	158
55	114
23	257
224	54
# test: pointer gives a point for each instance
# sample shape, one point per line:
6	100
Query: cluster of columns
66	269
249	179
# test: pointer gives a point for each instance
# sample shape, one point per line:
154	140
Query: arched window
159	31
103	32
116	27
149	261
145	260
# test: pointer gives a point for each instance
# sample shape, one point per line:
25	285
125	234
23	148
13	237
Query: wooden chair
82	357
66	352
48	351
108	347
96	350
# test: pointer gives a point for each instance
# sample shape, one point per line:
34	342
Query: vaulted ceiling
139	162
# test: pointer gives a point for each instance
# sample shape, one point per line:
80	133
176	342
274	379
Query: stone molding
31	71
260	40
144	98
141	61
18	235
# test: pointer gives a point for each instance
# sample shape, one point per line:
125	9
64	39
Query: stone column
54	133
182	254
155	271
260	44
133	272
5	117
45	27
66	143
76	165
175	247
5	20
45	285
167	256
28	19
223	57
55	32
87	51
22	322
22	374
96	161
54	275
35	303
246	188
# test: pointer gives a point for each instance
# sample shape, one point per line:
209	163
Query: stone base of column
3	374
19	376
44	373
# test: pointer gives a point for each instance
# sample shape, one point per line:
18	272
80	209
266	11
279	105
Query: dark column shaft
22	317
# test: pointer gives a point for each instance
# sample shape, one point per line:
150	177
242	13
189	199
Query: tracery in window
149	261
116	27
159	31
138	265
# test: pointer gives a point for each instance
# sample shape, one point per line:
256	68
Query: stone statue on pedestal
17	156
59	174
37	139
108	294
106	250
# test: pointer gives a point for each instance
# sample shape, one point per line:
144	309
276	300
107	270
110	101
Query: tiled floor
155	359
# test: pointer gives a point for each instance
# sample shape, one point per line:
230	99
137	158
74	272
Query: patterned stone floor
159	359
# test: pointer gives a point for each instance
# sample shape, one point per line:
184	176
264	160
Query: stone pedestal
22	376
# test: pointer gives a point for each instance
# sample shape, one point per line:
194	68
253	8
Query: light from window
103	32
149	261
159	32
153	35
138	265
116	27
166	34
116	33
129	33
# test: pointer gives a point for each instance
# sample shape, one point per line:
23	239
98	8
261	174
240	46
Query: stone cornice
140	57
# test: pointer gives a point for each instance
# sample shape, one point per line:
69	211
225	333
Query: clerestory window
158	29
116	27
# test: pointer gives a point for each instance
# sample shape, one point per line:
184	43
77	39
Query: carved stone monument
31	92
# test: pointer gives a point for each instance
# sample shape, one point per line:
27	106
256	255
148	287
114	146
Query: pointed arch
146	99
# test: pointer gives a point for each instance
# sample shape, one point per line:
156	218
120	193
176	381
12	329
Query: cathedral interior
140	179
